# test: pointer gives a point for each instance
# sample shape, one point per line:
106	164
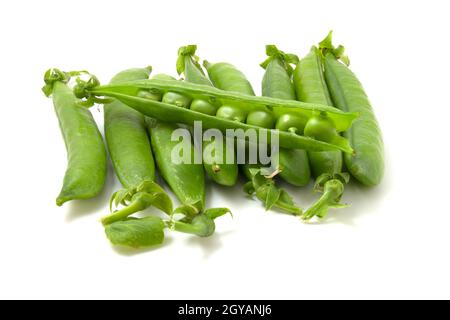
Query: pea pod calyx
332	188
146	194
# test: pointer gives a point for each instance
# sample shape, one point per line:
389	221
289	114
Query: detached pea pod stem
86	168
366	164
332	187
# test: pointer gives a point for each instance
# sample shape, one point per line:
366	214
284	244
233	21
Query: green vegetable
176	99
214	161
86	168
130	152
310	87
126	137
128	94
332	187
366	164
187	180
261	119
227	77
291	122
136	233
266	191
201	225
277	83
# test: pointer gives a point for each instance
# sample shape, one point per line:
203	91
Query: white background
392	243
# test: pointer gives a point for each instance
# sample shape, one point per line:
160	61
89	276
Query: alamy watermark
212	146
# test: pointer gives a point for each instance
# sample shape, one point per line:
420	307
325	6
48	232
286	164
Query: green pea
260	118
232	113
176	99
321	128
149	95
203	106
291	122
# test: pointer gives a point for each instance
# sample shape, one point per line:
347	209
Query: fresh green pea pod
170	113
131	155
277	83
86	168
187	180
326	165
227	77
311	87
127	138
366	164
219	171
246	102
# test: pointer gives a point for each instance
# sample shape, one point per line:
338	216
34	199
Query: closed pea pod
277	83
326	165
86	168
187	180
214	152
126	137
131	155
311	87
226	77
347	93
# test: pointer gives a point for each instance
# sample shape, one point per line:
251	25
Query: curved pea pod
310	86
187	180
227	77
132	158
215	152
127	138
86	169
277	83
366	164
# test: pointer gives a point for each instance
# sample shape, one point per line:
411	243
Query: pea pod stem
342	120
332	188
139	204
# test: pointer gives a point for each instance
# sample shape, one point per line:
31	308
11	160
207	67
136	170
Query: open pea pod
172	113
342	120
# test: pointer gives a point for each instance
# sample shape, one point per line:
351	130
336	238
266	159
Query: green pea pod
214	161
226	77
131	155
187	180
277	83
86	168
366	164
126	137
311	87
245	102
